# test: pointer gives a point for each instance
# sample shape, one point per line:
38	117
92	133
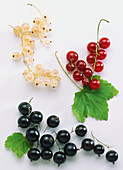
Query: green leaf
18	144
93	103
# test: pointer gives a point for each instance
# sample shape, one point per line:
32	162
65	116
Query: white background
74	25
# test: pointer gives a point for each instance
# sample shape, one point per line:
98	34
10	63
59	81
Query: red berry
72	56
91	58
94	84
99	66
102	54
104	42
70	66
91	47
88	72
85	81
77	76
81	65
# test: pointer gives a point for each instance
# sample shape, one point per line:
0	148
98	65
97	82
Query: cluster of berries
84	73
63	137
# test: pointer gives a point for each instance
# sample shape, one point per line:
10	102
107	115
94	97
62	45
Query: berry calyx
104	43
23	122
99	149
101	54
91	47
91	58
33	154
32	134
72	56
53	121
81	130
88	73
47	141
59	158
112	156
70	67
70	149
87	144
63	136
81	65
94	84
25	108
99	66
77	76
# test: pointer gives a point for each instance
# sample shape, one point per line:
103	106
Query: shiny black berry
63	136
99	149
23	122
87	144
32	134
46	154
111	156
81	130
53	121
47	141
25	108
36	117
70	149
34	154
59	157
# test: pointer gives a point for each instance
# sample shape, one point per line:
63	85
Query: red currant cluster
83	73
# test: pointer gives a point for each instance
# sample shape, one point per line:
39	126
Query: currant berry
111	156
88	72
99	149
46	154
59	158
32	134
16	56
25	108
23	122
87	144
85	81
102	54
33	154
94	84
91	58
47	141
70	149
53	121
77	76
70	67
91	47
81	130
81	65
104	43
63	136
36	117
98	66
72	56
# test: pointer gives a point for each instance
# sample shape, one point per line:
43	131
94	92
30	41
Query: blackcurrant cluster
46	141
83	73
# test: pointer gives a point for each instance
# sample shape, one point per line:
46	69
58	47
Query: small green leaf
18	144
93	103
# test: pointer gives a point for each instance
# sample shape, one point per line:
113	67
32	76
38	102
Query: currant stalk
36	8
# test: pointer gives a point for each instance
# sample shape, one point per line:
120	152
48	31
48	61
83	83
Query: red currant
81	65
91	47
91	58
88	72
72	56
99	66
77	76
104	42
102	54
70	66
94	84
85	81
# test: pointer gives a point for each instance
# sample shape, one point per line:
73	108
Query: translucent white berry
25	72
16	56
17	28
35	30
38	81
46	81
46	72
54	72
39	68
29	77
42	35
37	21
27	50
29	60
27	33
31	43
27	39
54	83
25	26
47	42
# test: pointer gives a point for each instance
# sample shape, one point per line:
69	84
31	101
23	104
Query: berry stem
65	71
98	42
36	8
58	145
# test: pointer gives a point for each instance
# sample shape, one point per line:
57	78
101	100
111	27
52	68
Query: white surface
74	25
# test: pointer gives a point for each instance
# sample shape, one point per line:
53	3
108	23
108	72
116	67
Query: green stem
36	8
65	71
98	41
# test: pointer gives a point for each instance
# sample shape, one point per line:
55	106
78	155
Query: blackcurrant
46	154
47	141
36	117
70	149
59	157
32	134
112	156
25	108
87	144
63	136
53	121
33	154
23	122
81	130
99	149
